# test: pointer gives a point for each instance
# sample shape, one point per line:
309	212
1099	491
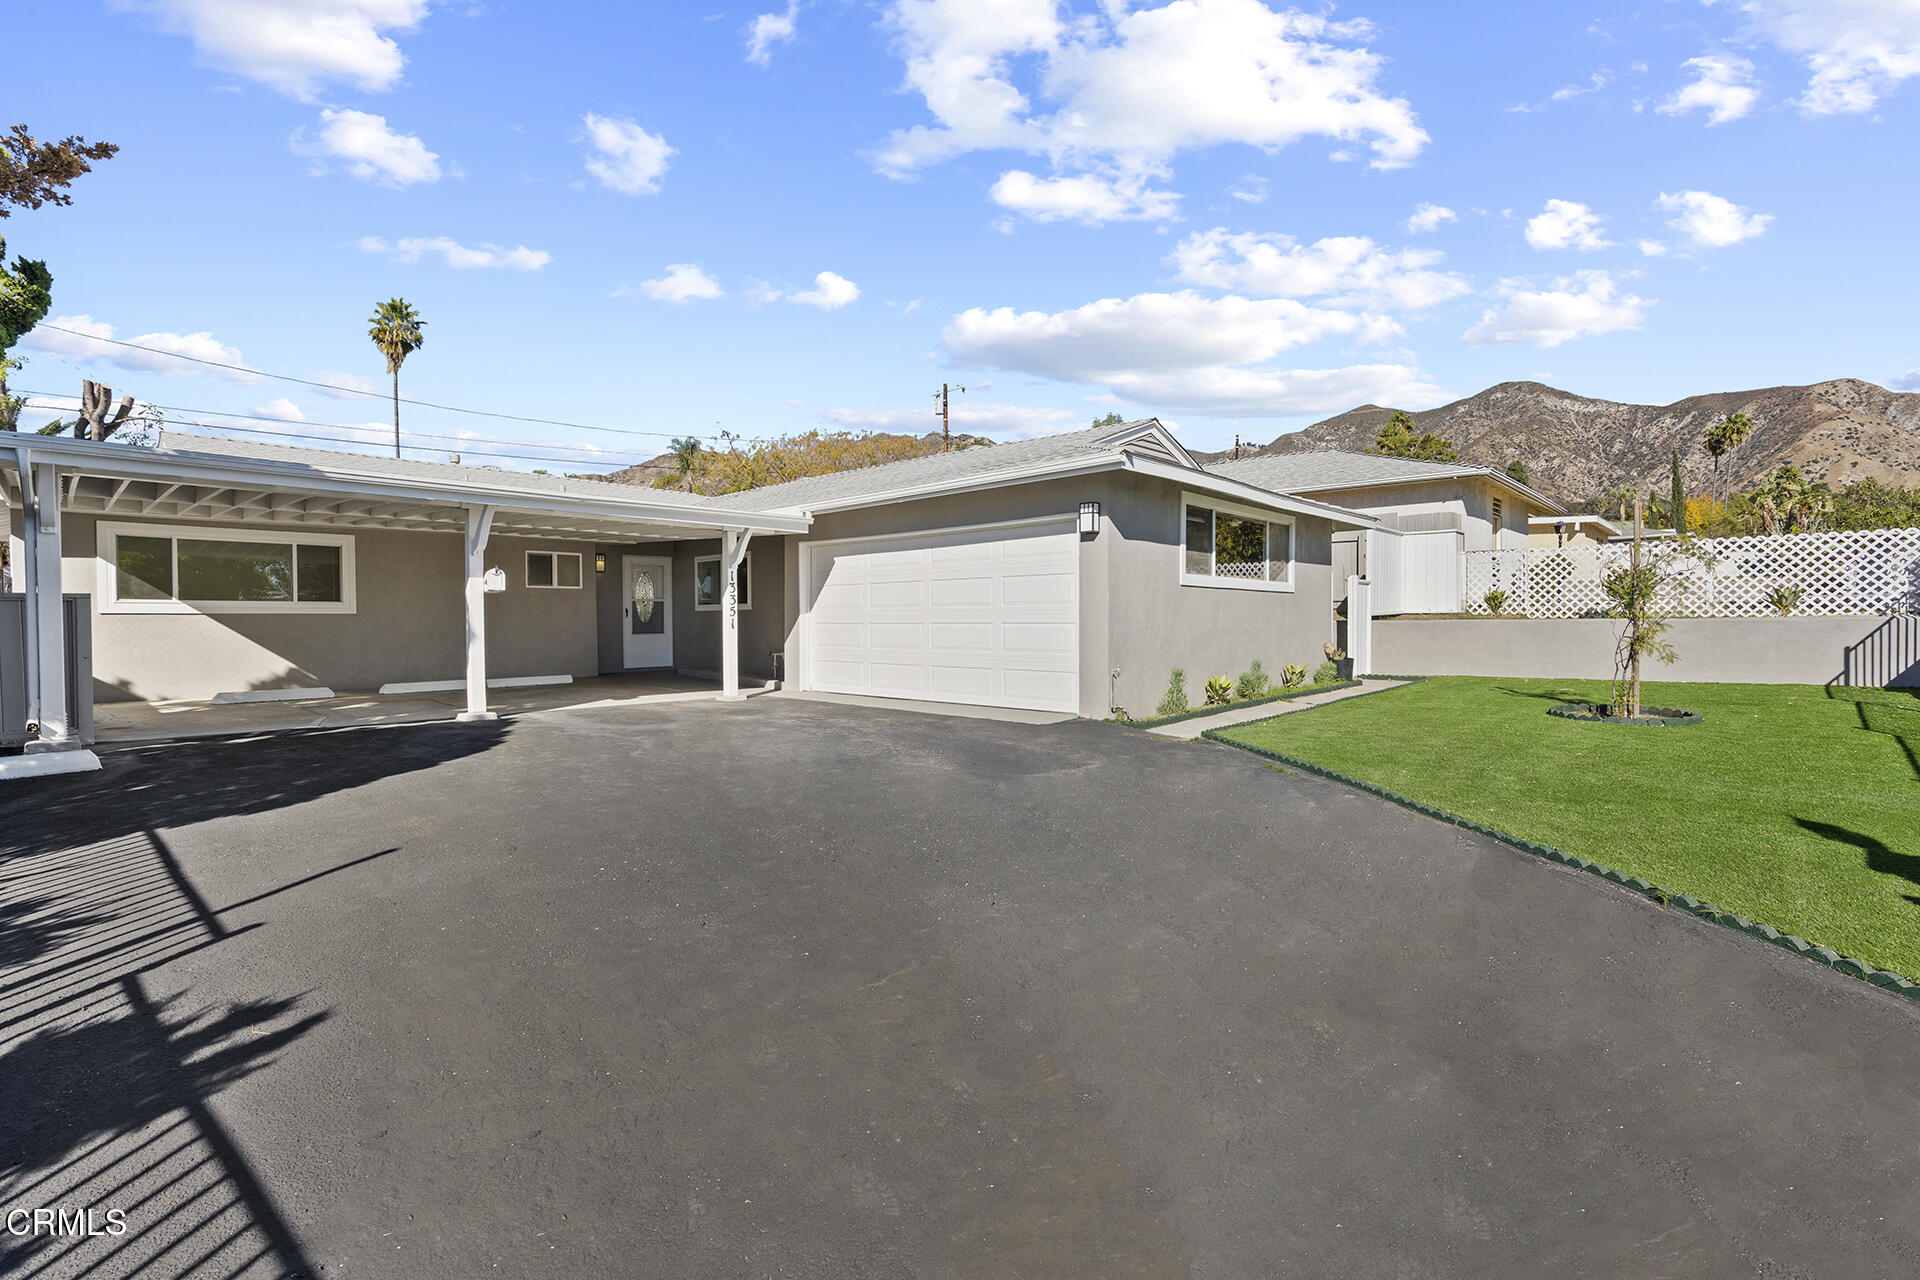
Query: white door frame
801	678
627	564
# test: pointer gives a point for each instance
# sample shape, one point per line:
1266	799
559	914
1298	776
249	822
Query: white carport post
46	611
479	525
733	550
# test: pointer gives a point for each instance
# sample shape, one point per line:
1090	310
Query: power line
362	391
340	426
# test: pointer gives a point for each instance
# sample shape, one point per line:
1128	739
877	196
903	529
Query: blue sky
683	219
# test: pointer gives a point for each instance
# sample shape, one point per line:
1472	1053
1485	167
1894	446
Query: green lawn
1795	805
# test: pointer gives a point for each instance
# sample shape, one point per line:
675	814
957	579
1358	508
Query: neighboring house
1068	573
1574	530
1491	509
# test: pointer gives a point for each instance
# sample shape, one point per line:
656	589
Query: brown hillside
1576	448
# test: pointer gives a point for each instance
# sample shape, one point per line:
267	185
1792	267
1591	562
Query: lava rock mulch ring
1602	713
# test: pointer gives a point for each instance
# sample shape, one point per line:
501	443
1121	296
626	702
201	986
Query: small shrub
1293	676
1326	673
1496	600
1219	691
1783	600
1253	684
1174	701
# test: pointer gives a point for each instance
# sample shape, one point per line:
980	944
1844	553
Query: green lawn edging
1217	708
1883	978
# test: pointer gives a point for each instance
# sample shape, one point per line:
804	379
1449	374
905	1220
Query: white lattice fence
1858	571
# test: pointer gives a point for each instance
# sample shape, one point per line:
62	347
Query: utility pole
1236	446
946	427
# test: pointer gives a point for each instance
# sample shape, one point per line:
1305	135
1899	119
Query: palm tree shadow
1879	857
1549	695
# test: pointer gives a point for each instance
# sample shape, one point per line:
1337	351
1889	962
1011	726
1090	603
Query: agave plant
1219	690
1293	676
1783	599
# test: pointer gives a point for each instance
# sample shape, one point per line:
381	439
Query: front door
647	615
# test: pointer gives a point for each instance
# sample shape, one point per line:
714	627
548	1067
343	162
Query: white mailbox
496	580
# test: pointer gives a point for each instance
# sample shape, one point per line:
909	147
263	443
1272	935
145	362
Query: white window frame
555	585
107	560
746	592
1190	500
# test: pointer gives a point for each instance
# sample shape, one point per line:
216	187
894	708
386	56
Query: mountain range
1575	448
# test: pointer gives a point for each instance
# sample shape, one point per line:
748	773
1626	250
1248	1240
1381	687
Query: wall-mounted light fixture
1089	519
599	562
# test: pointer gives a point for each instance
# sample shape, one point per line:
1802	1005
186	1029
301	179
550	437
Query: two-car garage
988	616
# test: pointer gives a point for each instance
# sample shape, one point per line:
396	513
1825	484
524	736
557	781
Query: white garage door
986	616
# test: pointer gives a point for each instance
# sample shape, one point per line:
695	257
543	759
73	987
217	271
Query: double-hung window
1229	546
147	568
558	570
709	590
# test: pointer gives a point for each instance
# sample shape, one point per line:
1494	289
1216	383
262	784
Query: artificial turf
1794	805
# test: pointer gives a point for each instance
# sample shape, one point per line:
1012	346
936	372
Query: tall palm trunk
396	411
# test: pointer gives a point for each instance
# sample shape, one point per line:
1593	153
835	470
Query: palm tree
1726	435
1621	496
686	450
396	332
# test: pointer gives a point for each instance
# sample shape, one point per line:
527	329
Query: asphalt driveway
789	989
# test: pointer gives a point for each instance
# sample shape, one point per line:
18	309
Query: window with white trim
1229	546
709	592
147	568
553	570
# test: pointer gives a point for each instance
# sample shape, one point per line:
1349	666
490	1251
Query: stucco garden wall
1881	651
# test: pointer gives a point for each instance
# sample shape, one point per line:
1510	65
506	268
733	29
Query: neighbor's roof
977	463
1324	470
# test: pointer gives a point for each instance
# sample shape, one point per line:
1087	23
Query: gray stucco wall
1469	497
1157	623
1881	651
410	624
1135	615
696	633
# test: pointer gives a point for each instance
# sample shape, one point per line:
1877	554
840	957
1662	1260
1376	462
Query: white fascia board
1153	428
132	462
1458	473
1210	482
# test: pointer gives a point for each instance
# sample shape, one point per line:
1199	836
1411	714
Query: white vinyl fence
1415	572
1870	571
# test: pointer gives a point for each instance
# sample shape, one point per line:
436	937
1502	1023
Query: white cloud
1019	422
372	151
684	282
1428	217
1722	86
1710	221
1566	224
1112	92
625	157
1152	332
770	29
1347	271
1654	248
1185	351
459	256
349	382
1595	82
294	46
1083	198
280	409
1857	51
81	347
830	292
1909	381
1252	189
1582	305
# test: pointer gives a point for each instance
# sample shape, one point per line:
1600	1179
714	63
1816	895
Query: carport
280	525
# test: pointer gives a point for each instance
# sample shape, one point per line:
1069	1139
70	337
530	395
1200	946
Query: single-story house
1491	509
1574	530
1068	573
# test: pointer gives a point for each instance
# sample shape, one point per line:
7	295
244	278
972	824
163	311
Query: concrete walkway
120	723
1188	730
